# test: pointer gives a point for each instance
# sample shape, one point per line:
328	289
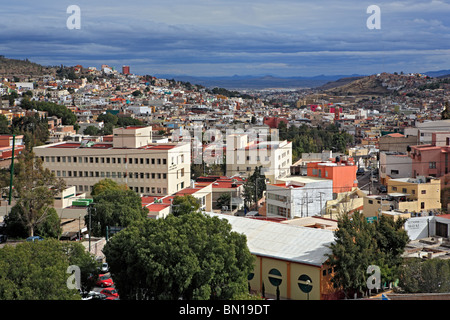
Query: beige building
409	196
242	157
150	169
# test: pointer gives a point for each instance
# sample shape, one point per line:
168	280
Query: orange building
341	170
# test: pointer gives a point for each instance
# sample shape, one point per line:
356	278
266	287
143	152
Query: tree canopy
306	139
35	189
359	244
191	256
114	207
38	270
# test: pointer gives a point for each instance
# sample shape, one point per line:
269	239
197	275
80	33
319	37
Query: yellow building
409	196
288	257
420	194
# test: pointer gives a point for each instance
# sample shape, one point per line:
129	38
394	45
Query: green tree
108	118
184	204
425	276
35	189
114	207
191	256
107	184
352	252
38	270
91	131
224	200
359	244
4	126
51	226
254	187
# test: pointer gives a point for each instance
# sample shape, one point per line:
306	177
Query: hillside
338	83
370	85
22	68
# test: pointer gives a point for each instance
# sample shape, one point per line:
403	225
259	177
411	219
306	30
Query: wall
420	227
288	281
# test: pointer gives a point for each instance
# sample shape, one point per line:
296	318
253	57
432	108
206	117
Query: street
365	184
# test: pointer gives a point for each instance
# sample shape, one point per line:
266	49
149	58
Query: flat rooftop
77	145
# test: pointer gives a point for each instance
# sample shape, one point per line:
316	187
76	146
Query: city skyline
218	38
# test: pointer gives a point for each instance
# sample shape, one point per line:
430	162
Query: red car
104	281
110	293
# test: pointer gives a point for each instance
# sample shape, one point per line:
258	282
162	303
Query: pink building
433	159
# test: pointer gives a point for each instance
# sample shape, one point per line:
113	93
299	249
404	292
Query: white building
243	156
395	165
298	196
153	169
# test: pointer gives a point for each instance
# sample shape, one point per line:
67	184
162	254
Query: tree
38	270
136	93
191	256
352	252
91	131
184	205
429	276
224	200
51	226
114	207
107	184
359	244
35	189
254	187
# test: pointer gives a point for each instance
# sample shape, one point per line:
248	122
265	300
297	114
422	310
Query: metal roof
283	241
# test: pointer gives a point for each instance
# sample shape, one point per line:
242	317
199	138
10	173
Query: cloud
283	37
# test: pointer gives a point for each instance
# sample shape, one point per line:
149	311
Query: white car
105	267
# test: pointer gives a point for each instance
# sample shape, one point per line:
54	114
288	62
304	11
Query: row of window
404	190
113	160
107	174
143	190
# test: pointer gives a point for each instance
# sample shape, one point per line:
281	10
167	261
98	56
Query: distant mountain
243	82
437	74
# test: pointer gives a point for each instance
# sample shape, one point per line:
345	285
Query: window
404	190
432	165
394	171
422	205
423	192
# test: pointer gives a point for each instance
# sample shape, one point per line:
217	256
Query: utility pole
321	211
12	170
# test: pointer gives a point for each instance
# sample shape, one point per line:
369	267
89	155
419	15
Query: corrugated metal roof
283	241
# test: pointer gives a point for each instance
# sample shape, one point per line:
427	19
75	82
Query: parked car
93	295
34	238
252	214
110	292
3	238
105	267
104	280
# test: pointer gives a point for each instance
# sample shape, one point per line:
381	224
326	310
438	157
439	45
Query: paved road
365	184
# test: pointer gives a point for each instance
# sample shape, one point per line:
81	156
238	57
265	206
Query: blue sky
220	38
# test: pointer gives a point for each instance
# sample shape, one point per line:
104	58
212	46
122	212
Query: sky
225	38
